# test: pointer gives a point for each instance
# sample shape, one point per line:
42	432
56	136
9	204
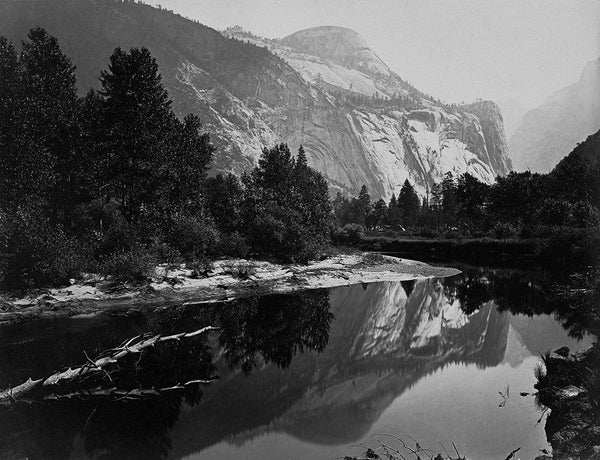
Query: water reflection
315	370
274	327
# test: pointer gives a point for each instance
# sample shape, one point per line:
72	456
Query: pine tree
49	87
137	121
379	212
362	205
286	206
393	212
449	205
409	204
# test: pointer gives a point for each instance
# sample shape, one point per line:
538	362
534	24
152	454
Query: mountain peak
340	45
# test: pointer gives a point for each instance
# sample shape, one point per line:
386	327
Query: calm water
304	376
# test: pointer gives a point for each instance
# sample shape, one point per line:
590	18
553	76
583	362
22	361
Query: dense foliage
517	205
115	181
561	208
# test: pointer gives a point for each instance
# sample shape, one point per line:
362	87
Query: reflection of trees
569	386
570	299
111	427
274	327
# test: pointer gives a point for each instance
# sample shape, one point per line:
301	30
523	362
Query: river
319	375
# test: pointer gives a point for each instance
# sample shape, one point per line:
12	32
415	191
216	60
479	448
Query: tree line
115	182
514	206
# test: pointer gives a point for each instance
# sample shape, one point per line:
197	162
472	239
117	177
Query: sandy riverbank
176	286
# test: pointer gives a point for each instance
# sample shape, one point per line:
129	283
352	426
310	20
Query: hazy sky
453	49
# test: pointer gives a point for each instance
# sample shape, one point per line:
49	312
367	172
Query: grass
240	270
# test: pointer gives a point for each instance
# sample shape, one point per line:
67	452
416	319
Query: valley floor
176	286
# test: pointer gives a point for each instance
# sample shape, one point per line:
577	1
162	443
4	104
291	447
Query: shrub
133	265
505	230
194	237
34	252
165	253
349	234
569	249
201	267
104	227
234	245
241	270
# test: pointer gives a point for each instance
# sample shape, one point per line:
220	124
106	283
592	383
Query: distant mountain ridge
324	88
567	117
425	137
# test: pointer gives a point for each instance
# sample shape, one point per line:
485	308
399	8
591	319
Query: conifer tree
136	122
408	203
449	205
362	205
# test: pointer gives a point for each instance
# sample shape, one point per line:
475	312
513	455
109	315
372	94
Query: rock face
379	130
358	121
549	132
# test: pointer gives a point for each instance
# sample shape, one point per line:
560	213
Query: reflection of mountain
539	334
381	343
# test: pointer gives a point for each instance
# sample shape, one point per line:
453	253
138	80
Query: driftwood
33	390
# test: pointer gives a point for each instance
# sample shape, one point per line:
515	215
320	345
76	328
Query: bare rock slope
549	132
324	88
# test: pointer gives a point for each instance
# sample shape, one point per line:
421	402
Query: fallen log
31	390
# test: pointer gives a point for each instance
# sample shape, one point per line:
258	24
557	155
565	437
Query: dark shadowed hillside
359	122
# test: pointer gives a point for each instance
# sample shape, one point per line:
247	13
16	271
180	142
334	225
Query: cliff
324	88
549	132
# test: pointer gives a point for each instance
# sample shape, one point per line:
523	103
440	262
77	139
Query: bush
164	253
34	252
349	234
234	245
134	265
104	228
570	249
505	230
201	267
240	270
194	237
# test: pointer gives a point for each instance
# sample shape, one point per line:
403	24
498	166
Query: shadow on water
321	366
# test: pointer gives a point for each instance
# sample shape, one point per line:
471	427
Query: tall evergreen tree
362	206
137	121
409	204
52	105
449	205
393	212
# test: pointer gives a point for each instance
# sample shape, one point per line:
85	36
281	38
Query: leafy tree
341	209
286	206
516	197
181	168
471	198
224	195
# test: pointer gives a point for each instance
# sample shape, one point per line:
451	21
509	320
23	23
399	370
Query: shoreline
177	287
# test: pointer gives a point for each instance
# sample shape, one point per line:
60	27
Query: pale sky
452	49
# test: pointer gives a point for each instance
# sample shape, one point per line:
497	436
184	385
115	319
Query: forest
562	205
114	182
